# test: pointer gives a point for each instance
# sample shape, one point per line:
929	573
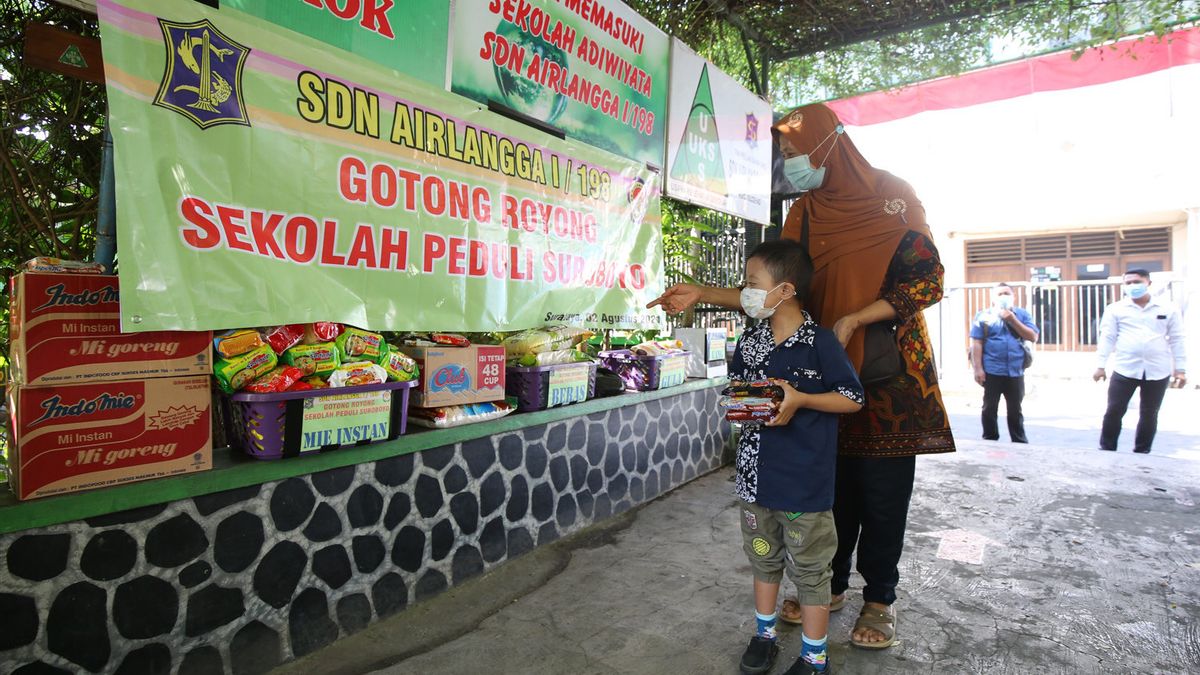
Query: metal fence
1067	313
720	264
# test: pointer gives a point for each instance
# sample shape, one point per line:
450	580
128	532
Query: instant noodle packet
315	382
319	359
282	338
236	372
281	378
450	339
400	366
236	342
321	331
359	345
357	374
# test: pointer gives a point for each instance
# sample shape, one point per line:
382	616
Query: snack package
319	359
282	338
554	358
44	265
758	388
658	348
749	416
455	415
281	378
321	331
315	382
359	345
751	402
399	366
538	340
449	340
357	374
238	371
236	342
301	385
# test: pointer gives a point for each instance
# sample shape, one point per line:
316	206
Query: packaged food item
658	347
548	339
449	339
236	342
400	366
554	358
355	344
282	338
238	371
751	402
357	374
43	265
301	385
280	378
321	331
758	388
319	359
745	416
315	382
455	415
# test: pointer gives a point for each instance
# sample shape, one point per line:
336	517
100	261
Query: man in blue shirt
998	354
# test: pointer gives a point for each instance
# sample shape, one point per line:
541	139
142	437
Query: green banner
263	178
594	69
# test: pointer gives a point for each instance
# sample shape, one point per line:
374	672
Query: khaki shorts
802	543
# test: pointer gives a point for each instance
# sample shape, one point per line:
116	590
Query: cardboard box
65	328
458	375
707	347
81	436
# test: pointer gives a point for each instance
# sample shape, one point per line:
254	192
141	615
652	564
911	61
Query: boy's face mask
754	301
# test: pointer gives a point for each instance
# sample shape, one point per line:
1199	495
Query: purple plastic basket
642	373
270	426
531	385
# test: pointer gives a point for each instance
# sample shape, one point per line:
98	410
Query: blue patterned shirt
791	468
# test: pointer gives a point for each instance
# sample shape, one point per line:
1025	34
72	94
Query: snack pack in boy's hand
320	359
236	342
280	378
236	372
751	401
758	388
359	345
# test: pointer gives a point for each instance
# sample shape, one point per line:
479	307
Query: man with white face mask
998	354
1145	336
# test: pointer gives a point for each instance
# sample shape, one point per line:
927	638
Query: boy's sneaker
802	667
759	655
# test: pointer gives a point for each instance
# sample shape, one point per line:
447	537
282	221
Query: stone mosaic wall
240	581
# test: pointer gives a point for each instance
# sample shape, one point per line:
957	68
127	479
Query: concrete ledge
231	469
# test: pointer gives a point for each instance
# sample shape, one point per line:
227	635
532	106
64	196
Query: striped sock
766	624
814	652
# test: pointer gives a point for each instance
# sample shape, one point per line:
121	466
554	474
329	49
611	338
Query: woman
873	262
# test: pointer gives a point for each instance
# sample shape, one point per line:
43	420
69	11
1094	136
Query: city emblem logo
751	130
203	76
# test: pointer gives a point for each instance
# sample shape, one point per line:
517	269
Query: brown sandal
881	621
790	611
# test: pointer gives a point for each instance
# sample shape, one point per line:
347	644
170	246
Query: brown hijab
856	219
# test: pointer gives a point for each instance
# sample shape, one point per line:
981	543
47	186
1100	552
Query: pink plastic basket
273	426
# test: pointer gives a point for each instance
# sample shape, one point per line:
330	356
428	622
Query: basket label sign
716	348
674	372
567	385
345	419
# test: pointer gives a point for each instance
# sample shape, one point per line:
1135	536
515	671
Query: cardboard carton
80	436
65	328
458	375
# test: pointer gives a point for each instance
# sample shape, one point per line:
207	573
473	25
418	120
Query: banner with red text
594	69
263	178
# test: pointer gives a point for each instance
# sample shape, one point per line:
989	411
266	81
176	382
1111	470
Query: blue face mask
800	173
1135	291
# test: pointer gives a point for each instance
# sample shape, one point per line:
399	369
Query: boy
785	468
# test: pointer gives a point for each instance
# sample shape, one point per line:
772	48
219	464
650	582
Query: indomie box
66	328
458	375
75	437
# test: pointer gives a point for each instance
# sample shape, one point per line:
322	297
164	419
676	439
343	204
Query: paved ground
1052	557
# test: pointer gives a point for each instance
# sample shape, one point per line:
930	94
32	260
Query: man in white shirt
1146	337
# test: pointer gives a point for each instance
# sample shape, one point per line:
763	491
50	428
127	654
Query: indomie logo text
451	377
59	297
55	409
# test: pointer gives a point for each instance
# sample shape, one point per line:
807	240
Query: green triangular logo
73	57
699	161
